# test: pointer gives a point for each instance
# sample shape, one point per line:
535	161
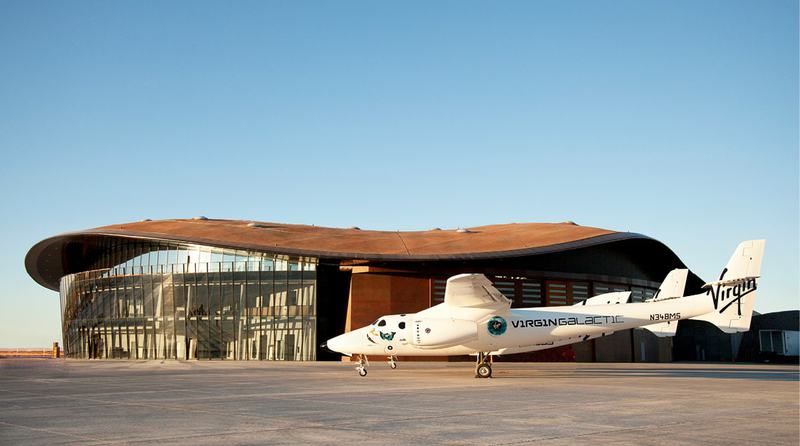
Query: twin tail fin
734	294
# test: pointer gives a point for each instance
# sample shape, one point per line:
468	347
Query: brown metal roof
317	240
48	260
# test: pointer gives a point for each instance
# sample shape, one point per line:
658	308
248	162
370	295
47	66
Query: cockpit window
382	323
402	325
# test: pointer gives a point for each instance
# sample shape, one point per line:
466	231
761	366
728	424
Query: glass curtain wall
167	301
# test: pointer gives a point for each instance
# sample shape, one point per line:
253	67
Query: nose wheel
392	362
483	369
361	368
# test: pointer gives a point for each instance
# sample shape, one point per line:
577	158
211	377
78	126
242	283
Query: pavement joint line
315	425
293	397
620	430
321	426
237	432
311	424
49	431
45	395
213	395
156	405
315	393
150	440
176	408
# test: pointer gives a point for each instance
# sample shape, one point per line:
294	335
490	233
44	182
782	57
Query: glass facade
146	300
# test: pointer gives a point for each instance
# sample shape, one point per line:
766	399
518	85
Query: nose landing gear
363	362
483	369
392	362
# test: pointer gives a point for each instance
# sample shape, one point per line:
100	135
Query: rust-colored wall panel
409	294
370	297
374	295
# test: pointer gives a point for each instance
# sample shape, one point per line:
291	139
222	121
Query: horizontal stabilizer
663	329
729	282
673	285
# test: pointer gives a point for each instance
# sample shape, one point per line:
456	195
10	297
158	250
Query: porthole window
402	325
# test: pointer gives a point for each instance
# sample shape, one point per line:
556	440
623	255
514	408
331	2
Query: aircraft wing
474	291
546	345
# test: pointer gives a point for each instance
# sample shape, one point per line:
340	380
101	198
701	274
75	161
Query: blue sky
678	120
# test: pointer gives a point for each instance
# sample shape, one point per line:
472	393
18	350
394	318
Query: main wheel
484	371
362	372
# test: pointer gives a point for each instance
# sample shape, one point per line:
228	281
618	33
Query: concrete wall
614	348
648	347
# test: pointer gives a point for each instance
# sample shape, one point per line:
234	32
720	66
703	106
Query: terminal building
239	290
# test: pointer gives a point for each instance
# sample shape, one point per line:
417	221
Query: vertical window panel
556	293
438	287
602	288
580	292
531	294
506	287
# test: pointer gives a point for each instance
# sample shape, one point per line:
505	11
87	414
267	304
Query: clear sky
675	119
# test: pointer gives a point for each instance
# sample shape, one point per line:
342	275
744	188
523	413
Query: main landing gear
483	369
363	362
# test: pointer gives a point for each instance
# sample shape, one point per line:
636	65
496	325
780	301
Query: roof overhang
52	258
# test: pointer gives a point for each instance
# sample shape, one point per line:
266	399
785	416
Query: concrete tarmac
109	402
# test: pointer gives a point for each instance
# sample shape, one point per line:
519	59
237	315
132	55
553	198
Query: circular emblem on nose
496	326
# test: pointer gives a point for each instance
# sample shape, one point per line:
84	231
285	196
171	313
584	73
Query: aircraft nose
336	344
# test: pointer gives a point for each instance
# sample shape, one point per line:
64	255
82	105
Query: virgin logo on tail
727	295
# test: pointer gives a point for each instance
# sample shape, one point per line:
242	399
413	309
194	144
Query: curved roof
49	260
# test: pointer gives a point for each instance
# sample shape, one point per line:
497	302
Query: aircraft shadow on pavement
778	374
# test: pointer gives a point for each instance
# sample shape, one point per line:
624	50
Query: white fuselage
517	330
